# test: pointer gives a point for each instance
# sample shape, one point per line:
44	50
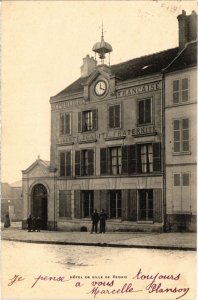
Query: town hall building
110	142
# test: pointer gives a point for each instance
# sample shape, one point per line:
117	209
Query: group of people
34	223
96	217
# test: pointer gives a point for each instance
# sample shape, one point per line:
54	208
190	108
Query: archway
39	203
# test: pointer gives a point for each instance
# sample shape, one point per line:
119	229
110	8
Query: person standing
103	218
95	219
33	223
38	224
7	221
29	223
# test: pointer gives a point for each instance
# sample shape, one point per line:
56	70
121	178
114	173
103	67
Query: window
146	158
64	204
114	116
180	91
181	135
115	160
87	203
115	204
65	163
87	120
182	179
65	123
144	111
145	205
84	162
131	159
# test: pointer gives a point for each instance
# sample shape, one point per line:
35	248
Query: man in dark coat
34	223
103	218
38	224
7	221
95	220
29	223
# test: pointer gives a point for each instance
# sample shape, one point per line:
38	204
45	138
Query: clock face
100	88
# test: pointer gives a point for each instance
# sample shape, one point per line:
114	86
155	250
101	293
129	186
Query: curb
104	245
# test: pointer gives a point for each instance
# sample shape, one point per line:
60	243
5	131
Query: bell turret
102	48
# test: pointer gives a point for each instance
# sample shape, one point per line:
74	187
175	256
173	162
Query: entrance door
39	203
145	205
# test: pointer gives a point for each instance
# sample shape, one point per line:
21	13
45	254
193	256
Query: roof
186	58
141	66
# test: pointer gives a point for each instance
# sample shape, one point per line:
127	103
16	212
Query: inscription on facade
68	103
140	89
93	136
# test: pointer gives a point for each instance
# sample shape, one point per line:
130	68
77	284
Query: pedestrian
7	221
103	218
29	223
95	220
33	223
38	224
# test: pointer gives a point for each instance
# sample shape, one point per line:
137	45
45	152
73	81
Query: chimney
192	21
89	65
187	28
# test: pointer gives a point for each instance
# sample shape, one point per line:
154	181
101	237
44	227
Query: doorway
39	203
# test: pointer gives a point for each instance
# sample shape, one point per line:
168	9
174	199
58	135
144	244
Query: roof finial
102	37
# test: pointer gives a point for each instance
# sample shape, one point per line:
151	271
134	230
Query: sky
43	44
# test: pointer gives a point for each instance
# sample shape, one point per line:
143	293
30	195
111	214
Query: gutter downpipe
163	151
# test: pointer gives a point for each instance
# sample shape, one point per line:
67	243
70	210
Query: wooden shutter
97	200
132	205
111	117
132	159
103	161
141	112
147	110
157	157
95	119
68	204
62	163
90	162
104	201
67	124
117	116
77	163
125	204
61	124
80	121
68	163
157	205
77	204
139	161
62	199
124	159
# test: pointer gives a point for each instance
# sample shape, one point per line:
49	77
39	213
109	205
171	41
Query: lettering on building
140	89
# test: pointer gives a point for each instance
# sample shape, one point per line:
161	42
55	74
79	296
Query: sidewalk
169	241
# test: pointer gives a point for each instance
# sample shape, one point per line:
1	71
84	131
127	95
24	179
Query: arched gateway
39	203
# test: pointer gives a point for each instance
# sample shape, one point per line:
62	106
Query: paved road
181	241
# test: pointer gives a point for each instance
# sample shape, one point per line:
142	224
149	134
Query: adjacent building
110	147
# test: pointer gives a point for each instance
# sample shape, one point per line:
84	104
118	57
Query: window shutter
111	117
117	116
80	121
132	205
97	200
95	119
67	124
139	162
103	161
104	201
147	110
157	157
77	204
157	205
62	163
141	112
68	204
132	159
90	162
125	194
77	163
61	124
82	163
62	198
68	163
124	159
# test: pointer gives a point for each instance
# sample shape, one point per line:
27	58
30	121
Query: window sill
181	153
145	222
